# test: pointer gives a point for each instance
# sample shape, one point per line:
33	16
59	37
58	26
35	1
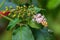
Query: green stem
6	17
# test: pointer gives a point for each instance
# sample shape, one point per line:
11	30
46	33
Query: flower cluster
40	19
24	14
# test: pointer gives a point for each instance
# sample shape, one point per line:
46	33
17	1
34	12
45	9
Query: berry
4	13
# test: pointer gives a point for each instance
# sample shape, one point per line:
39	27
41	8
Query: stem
9	19
6	17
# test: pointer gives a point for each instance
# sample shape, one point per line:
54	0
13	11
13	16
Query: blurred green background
52	11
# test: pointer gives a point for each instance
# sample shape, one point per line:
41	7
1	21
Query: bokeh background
52	13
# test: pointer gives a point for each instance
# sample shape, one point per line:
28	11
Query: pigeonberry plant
26	23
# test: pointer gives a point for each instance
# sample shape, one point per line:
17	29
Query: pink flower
38	15
40	19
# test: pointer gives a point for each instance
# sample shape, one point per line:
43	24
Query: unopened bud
13	15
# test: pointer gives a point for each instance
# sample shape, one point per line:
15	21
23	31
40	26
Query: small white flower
45	19
33	19
42	17
38	15
35	16
39	20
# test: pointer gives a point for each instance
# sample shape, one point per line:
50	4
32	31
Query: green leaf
33	24
13	23
53	4
24	33
38	35
41	35
37	9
